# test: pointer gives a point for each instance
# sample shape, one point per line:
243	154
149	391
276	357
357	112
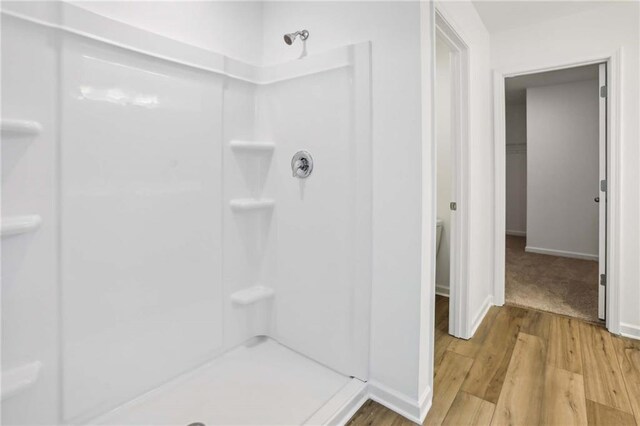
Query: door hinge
603	280
603	185
453	206
603	91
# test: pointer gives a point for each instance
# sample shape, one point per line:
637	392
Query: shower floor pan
259	383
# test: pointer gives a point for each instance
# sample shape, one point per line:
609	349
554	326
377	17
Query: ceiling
516	87
505	15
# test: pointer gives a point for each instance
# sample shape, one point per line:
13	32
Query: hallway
527	367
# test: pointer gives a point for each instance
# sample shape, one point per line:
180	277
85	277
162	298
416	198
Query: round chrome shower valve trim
301	164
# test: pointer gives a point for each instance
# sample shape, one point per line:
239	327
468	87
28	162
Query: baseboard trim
486	305
442	290
413	410
425	404
630	331
561	253
515	233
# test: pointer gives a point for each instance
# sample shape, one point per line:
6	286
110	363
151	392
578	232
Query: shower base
259	383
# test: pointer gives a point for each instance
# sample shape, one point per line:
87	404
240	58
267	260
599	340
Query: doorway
555	188
451	119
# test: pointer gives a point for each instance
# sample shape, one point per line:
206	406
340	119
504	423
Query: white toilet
439	226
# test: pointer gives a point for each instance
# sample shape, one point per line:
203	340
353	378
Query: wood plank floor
526	367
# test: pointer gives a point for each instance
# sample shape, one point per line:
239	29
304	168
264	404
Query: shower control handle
301	167
301	164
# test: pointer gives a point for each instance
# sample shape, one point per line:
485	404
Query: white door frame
613	175
602	195
459	318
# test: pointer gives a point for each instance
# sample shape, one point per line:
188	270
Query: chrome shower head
291	37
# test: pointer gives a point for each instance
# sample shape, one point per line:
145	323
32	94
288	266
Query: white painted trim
416	411
614	123
602	206
428	198
459	316
424	404
516	233
630	331
486	305
561	253
499	189
442	290
614	129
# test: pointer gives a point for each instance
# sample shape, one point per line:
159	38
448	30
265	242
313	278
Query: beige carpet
551	283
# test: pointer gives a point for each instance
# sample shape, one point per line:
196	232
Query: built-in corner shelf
14	225
248	204
256	146
20	378
13	127
252	295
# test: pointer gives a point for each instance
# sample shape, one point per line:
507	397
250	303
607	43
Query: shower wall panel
249	236
29	261
141	221
321	104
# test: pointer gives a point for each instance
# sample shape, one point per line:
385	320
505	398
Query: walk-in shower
177	271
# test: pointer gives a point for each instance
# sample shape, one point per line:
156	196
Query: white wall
232	28
562	168
466	21
394	30
443	149
516	123
516	168
596	33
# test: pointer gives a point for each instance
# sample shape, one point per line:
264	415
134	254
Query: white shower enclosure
160	262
